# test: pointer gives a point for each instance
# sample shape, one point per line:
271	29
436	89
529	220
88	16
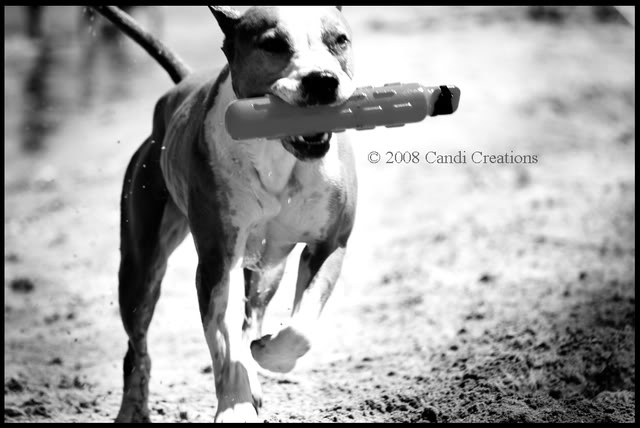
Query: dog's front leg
221	297
318	272
220	239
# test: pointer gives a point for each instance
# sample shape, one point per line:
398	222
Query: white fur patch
304	28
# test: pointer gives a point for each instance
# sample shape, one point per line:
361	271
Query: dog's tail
177	69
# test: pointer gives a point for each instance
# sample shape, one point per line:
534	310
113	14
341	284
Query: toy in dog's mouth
307	147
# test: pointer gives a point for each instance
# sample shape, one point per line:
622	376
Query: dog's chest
292	200
267	184
277	199
271	198
303	212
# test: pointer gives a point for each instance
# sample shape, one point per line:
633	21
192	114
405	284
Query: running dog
246	203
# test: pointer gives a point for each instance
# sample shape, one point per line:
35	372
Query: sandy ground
470	292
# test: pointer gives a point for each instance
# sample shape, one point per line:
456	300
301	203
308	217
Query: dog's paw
133	414
239	393
241	412
279	353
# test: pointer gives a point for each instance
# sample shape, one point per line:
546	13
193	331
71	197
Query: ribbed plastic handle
389	105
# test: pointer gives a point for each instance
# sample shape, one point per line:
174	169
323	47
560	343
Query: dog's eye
342	40
274	45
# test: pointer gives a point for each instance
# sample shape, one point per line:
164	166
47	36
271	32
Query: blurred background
470	292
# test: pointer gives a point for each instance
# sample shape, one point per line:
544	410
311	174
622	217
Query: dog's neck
272	163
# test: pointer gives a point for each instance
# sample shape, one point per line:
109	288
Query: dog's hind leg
151	228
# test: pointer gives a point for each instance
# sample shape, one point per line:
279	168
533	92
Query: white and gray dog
247	203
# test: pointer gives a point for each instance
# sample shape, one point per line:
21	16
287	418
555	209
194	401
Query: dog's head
300	54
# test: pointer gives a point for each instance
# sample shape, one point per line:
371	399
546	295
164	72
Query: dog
246	203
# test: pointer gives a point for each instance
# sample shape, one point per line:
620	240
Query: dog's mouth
308	147
315	139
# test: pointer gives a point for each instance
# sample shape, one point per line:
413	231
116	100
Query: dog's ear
339	8
227	18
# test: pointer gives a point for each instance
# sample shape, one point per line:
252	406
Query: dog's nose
320	87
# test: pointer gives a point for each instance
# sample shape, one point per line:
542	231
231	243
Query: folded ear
227	18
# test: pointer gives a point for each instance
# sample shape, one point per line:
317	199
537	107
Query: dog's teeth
310	139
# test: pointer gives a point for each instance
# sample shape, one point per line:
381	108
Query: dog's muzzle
316	88
320	88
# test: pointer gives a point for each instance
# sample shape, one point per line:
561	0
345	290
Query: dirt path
475	292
